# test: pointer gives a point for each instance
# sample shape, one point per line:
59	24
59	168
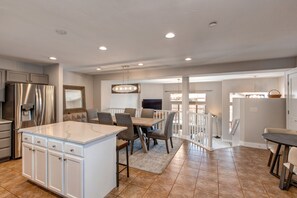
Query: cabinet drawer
4	127
27	138
40	141
5	142
4	134
5	152
55	145
74	149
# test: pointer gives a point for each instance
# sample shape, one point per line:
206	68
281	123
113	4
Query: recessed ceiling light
188	59
103	48
52	58
140	64
61	31
212	24
98	69
170	35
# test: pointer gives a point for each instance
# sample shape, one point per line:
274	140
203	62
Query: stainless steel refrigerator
27	105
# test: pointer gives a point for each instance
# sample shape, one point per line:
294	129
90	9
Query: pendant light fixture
125	88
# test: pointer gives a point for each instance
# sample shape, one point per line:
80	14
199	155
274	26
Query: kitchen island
72	159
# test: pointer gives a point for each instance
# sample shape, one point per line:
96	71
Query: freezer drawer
5	152
4	143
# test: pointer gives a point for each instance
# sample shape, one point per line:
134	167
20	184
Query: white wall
77	79
151	91
109	100
243	85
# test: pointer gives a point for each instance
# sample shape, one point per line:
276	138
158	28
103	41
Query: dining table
139	122
280	139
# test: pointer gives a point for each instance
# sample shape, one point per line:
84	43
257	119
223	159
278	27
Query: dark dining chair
106	118
147	113
124	119
131	111
163	134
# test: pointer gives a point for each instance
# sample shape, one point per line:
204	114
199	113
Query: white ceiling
133	31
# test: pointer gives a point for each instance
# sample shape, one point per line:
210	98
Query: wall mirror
74	99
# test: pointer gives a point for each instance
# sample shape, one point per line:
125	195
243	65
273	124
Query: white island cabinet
72	159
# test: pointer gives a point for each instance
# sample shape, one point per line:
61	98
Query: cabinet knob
54	146
65	160
38	142
60	158
26	138
30	149
71	150
33	149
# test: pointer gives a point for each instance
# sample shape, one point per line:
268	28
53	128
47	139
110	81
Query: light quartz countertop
5	121
76	132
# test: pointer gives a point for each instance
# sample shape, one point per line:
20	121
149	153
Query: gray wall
55	73
20	66
243	85
255	115
72	78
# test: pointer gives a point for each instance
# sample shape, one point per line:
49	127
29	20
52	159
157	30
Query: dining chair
272	146
91	114
163	134
131	111
106	118
124	119
147	113
291	165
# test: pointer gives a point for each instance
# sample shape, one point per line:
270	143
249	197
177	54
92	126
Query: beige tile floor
193	172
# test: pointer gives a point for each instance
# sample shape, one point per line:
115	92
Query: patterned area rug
155	160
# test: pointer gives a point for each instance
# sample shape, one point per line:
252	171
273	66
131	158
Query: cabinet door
27	161
73	176
16	76
39	79
2	85
55	171
40	165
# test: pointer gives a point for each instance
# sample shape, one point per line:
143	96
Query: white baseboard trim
253	145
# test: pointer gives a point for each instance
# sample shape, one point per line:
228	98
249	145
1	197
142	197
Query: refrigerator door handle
37	106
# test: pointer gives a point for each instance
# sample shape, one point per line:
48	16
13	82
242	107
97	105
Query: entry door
292	101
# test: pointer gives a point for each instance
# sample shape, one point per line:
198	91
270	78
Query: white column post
185	105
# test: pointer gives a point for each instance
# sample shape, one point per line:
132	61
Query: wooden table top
145	122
